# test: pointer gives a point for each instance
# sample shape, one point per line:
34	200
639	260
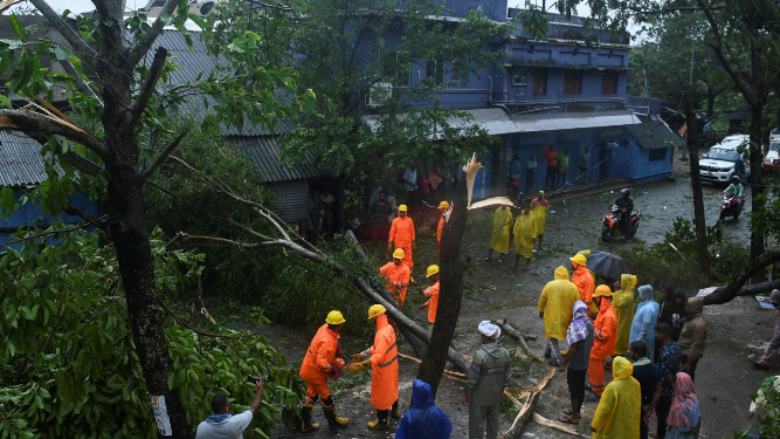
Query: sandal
567	420
567	412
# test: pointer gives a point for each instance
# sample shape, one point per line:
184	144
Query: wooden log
527	410
541	420
514	333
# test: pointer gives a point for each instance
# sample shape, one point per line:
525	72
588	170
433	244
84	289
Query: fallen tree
735	288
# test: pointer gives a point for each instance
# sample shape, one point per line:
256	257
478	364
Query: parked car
772	158
729	157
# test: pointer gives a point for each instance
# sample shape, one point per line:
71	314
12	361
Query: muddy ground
737	331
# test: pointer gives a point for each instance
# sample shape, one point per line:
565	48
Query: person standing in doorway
551	155
563	168
530	173
583	166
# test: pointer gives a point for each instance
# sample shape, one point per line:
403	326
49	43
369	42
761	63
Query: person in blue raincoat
645	319
424	420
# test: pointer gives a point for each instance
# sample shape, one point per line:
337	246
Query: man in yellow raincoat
539	208
555	307
618	413
502	226
525	231
624	305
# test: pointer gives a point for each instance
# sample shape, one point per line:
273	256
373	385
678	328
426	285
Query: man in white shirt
221	424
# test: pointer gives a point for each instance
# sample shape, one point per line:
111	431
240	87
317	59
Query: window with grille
609	82
540	81
572	82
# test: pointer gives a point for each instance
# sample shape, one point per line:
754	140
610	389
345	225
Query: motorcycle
612	223
731	206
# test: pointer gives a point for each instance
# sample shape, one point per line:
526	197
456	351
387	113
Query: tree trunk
698	198
733	289
756	182
451	292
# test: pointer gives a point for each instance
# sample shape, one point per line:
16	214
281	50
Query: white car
772	158
729	157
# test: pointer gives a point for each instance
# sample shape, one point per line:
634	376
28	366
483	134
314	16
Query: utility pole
698	198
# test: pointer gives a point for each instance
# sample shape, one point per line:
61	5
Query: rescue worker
323	360
556	305
539	208
525	231
603	343
382	359
485	384
397	275
502	227
402	236
584	280
432	293
624	305
618	413
443	208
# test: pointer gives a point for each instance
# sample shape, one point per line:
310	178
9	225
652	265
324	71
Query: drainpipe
490	96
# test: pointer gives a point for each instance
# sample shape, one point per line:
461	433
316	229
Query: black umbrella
609	265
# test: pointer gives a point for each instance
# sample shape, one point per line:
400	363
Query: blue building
22	167
568	92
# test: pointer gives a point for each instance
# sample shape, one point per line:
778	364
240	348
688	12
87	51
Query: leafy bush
660	264
69	366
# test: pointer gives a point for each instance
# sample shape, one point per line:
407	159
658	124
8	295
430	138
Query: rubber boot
334	422
306	424
396	412
382	421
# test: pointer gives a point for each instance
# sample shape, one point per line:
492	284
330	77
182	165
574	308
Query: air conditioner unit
378	94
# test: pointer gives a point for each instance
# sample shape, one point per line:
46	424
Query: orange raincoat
401	235
317	362
604	338
438	232
433	302
397	280
585	284
384	362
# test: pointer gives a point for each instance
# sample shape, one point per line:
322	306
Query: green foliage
535	21
660	264
69	367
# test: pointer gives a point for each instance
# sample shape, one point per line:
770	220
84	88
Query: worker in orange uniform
584	280
323	360
382	358
604	339
402	236
397	275
443	208
432	292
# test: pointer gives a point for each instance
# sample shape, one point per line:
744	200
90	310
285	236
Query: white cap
489	330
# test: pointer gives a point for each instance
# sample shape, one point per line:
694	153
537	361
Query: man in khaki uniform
487	378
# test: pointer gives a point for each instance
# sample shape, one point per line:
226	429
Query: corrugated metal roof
654	134
21	163
264	152
497	122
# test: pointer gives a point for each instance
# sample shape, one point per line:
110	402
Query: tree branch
164	154
728	293
154	75
33	123
145	43
88	217
81	84
77	160
67	32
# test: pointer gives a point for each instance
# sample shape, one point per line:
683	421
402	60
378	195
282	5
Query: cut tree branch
88	217
728	293
81	83
151	82
164	154
67	32
145	43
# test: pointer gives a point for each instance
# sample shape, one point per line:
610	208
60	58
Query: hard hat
399	253
603	291
376	310
735	178
433	269
335	318
580	259
625	191
402	208
444	205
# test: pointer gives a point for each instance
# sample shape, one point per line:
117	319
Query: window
460	71
435	70
540	82
658	154
519	76
609	82
397	64
572	82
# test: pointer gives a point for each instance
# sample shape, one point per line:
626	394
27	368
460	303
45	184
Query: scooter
731	206
612	223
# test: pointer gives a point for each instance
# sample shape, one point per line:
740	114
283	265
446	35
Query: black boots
306	424
382	421
396	413
334	422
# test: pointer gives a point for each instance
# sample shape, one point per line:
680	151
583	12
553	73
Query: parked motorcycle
612	223
731	206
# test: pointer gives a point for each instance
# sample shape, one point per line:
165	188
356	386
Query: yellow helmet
402	208
433	269
603	291
376	310
444	205
334	318
580	259
399	253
